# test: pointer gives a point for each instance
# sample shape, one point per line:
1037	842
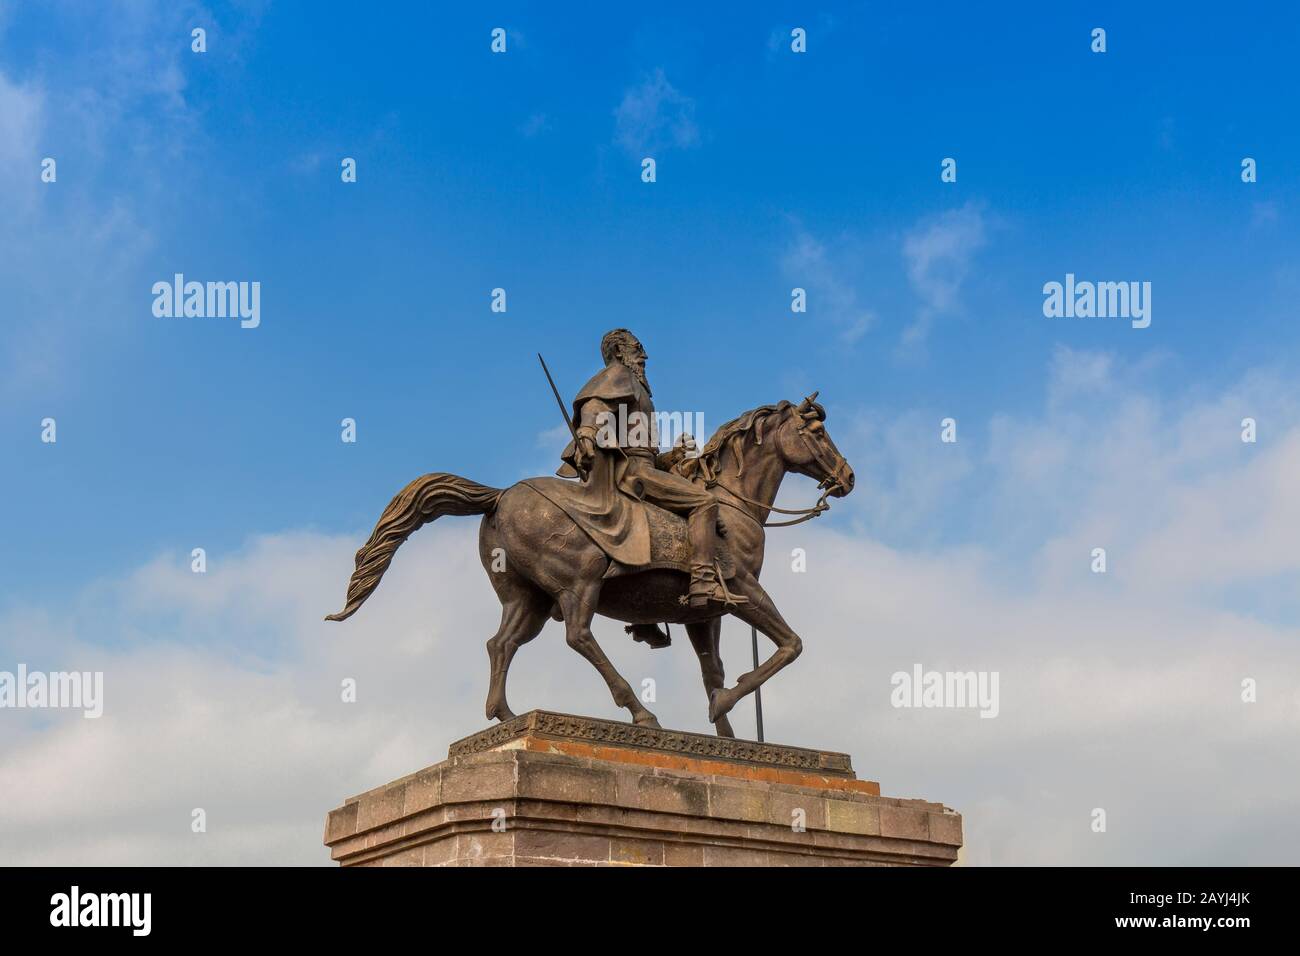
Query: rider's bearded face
633	356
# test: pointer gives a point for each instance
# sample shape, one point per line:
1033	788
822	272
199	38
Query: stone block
557	790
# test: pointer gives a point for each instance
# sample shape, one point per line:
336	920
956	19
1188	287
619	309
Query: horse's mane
733	433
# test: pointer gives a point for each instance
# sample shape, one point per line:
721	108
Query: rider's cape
614	520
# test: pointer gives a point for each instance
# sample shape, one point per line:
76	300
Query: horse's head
806	447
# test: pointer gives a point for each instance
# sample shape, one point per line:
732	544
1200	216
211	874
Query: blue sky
479	170
774	170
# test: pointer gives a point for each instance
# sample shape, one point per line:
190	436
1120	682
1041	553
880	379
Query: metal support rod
758	691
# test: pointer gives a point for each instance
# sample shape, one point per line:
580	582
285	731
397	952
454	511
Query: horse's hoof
720	704
647	720
500	713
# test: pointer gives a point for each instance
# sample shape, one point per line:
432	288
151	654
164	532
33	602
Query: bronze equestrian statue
643	537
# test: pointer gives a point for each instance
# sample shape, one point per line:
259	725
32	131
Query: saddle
669	547
621	526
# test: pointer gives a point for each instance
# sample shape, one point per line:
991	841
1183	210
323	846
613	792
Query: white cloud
902	470
828	278
535	125
1118	691
68	242
21	126
1075	372
817	31
554	439
1263	214
654	116
938	252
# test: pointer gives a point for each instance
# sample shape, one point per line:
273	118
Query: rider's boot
706	584
650	634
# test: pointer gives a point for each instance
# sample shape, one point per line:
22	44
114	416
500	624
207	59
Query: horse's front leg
704	637
762	614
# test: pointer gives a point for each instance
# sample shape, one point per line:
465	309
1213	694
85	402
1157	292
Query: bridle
829	483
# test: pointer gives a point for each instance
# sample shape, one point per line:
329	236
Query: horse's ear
809	408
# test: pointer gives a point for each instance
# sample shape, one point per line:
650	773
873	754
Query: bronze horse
553	570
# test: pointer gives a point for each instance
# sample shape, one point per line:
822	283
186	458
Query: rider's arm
591	418
591	430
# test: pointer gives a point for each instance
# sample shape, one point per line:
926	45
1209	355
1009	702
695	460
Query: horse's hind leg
524	610
578	605
705	636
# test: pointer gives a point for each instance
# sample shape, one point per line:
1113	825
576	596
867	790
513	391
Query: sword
559	401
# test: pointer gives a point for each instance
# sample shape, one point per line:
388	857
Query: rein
806	513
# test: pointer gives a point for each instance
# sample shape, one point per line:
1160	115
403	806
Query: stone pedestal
549	789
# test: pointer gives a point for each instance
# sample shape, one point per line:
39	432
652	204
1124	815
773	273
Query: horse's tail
420	502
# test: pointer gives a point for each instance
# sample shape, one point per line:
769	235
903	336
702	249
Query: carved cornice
542	723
